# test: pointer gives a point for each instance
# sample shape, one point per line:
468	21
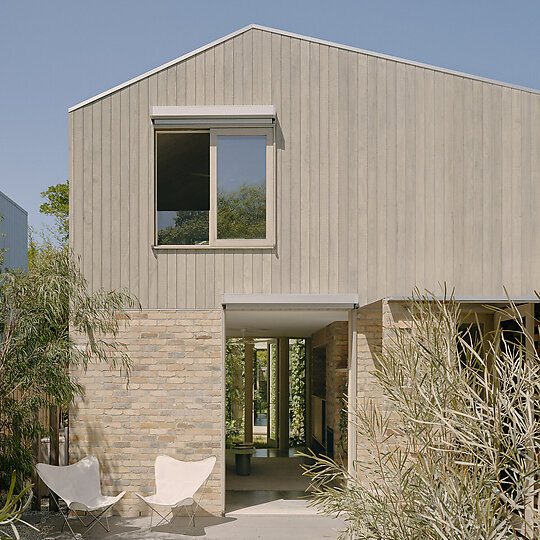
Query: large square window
215	187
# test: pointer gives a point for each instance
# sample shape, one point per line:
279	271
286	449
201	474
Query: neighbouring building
271	185
13	234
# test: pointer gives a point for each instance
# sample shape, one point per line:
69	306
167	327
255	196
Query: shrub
454	449
39	311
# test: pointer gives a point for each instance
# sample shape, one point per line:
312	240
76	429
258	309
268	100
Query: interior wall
330	352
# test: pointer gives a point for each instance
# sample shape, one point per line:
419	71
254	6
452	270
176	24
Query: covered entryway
284	396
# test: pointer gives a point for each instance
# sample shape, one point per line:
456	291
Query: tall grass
453	450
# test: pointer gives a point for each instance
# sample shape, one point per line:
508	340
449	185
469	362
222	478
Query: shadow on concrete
132	528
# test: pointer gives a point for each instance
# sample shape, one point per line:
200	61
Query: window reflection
183	188
241	187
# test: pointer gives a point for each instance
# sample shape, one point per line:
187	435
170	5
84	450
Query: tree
40	311
454	452
57	205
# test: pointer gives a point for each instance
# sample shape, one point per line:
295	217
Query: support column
283	344
307	424
248	393
352	443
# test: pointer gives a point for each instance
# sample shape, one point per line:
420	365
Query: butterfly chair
79	486
176	484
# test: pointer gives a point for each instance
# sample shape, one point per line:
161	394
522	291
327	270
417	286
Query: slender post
36	488
54	448
307	418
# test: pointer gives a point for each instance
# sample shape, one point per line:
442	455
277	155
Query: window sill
267	247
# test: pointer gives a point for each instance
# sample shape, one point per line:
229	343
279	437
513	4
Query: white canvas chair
79	486
176	484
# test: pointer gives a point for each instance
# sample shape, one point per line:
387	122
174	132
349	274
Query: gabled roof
305	38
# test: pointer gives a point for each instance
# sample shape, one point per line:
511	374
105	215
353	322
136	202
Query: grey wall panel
13	234
389	176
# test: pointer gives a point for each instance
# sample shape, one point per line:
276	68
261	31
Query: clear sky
56	53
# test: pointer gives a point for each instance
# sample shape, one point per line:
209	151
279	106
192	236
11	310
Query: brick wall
334	338
369	333
172	406
376	326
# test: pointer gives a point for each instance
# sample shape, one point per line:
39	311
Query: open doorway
265	408
269	396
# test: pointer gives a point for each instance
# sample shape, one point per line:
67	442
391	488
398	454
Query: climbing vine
297	391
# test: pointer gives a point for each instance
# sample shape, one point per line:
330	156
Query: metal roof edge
14	203
471	299
304	38
396	59
160	68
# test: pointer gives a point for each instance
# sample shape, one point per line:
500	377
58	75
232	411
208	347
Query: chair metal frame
96	517
169	513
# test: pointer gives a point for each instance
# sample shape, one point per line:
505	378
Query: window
214	187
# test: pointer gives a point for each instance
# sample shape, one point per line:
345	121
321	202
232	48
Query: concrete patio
231	527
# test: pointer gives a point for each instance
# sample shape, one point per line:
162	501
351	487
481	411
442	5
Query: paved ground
231	527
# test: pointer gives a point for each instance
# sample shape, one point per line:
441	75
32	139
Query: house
276	186
13	234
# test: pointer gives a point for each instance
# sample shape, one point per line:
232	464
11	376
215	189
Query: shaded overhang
284	315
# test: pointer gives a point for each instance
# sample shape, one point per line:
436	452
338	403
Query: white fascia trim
311	40
213	111
395	59
162	67
289	301
305	38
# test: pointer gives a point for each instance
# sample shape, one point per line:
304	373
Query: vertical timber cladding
388	175
172	405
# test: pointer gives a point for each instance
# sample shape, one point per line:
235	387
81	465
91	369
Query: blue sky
54	54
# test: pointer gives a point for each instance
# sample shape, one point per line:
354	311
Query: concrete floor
230	527
259	514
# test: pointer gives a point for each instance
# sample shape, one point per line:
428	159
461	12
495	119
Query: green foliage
453	452
240	214
14	506
342	439
234	388
273	382
190	228
297	378
57	205
40	311
2	250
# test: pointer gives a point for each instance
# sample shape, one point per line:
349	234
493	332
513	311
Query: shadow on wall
116	473
96	444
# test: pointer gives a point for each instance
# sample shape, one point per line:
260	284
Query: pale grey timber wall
389	175
13	234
